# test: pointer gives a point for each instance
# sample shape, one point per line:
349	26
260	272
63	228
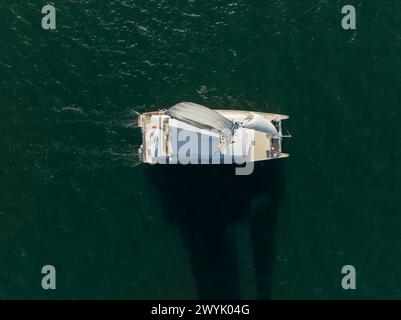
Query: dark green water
72	196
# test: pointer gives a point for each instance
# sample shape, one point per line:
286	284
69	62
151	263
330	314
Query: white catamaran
188	133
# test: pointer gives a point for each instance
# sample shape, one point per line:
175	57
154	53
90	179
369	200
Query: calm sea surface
72	193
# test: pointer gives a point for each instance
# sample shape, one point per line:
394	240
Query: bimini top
200	117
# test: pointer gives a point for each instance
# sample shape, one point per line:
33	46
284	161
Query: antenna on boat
287	135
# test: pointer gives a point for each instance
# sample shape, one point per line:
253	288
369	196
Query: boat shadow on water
205	203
